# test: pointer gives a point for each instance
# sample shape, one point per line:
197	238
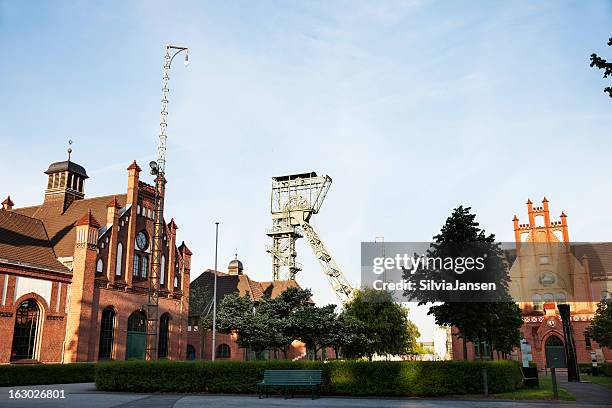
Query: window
26	328
164	332
223	351
107	329
191	352
537	302
604	294
145	267
136	266
162	278
176	282
118	270
544	260
549	298
486	350
587	342
100	266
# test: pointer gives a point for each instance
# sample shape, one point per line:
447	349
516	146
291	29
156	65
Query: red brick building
547	269
235	280
73	274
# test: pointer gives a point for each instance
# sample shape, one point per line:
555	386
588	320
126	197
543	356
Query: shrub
33	374
393	378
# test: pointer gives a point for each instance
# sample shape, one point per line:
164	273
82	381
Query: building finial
236	253
69	149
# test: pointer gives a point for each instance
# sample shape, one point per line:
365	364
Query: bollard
485	382
554	383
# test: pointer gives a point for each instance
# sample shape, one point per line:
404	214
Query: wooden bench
289	380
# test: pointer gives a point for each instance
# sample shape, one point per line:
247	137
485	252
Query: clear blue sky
412	107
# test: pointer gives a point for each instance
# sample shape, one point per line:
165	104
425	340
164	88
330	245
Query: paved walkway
587	392
85	395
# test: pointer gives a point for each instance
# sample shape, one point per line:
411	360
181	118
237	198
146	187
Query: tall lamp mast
158	169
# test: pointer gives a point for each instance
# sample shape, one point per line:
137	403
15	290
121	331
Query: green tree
347	335
311	325
600	328
385	322
600	63
461	236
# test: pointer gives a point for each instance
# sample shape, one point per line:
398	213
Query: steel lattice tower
295	198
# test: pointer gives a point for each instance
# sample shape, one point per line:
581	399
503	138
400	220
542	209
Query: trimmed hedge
390	378
35	374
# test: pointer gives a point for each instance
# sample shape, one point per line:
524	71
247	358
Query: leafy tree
255	331
311	325
600	328
385	322
200	304
497	322
600	63
347	335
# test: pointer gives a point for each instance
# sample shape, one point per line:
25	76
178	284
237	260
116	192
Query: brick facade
64	255
547	269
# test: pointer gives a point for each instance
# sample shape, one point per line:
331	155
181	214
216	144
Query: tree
601	63
311	325
385	322
347	336
200	303
600	328
497	322
255	331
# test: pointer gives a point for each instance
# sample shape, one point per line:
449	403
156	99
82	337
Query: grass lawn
600	379
544	392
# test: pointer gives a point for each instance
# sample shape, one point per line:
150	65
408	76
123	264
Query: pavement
86	395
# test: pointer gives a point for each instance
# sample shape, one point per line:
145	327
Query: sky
412	107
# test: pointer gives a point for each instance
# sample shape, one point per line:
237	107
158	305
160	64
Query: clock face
141	241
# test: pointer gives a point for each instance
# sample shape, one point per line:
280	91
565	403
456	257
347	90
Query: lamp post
214	328
158	169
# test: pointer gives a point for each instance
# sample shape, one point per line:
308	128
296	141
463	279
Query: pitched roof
87	219
60	225
239	284
24	240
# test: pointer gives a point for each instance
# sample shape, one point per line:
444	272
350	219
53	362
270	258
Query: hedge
390	378
34	374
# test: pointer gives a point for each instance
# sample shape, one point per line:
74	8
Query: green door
136	336
555	353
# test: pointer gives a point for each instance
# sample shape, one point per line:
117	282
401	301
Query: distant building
547	269
74	274
235	280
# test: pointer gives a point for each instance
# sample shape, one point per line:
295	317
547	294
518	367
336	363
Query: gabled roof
60	225
240	284
24	241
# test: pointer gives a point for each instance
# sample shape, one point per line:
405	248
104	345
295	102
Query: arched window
560	298
136	266
118	268
107	334
537	302
191	354
26	328
162	277
223	351
549	298
176	282
100	266
164	334
145	267
554	341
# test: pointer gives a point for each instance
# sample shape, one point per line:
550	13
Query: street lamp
158	169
